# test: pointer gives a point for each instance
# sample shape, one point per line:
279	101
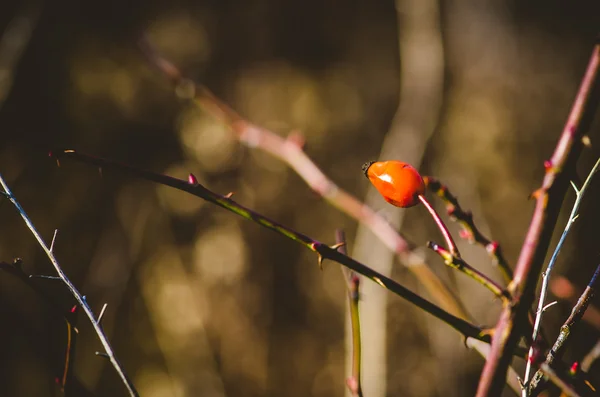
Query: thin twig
323	250
568	328
353	284
73	290
549	198
470	231
546	274
102	311
459	264
442	226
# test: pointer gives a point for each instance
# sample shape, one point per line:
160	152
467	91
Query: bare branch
462	266
549	197
323	250
73	290
546	274
568	328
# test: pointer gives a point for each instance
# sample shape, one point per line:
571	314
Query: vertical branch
110	355
548	201
352	280
546	274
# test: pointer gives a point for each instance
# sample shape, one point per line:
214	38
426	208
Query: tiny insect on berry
399	183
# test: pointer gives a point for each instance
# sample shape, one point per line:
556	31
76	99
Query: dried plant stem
324	251
570	325
441	225
470	230
73	290
352	280
459	264
549	197
546	274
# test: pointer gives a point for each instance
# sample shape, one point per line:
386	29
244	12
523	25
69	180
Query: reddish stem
549	198
442	226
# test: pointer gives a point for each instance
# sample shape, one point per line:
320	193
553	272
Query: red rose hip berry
399	183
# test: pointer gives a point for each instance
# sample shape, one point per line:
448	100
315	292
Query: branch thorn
18	263
229	195
575	187
587	142
296	138
536	194
102	311
574	218
103	355
192	180
44	277
53	240
549	305
321	262
338	245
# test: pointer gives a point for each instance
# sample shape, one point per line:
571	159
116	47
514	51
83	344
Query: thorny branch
567	329
546	274
459	264
324	251
549	197
73	290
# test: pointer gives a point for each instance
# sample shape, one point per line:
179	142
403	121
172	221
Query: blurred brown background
203	303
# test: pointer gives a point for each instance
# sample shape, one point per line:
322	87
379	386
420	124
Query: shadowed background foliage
201	303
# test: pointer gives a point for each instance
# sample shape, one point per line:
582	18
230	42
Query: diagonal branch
325	252
73	290
549	198
459	264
